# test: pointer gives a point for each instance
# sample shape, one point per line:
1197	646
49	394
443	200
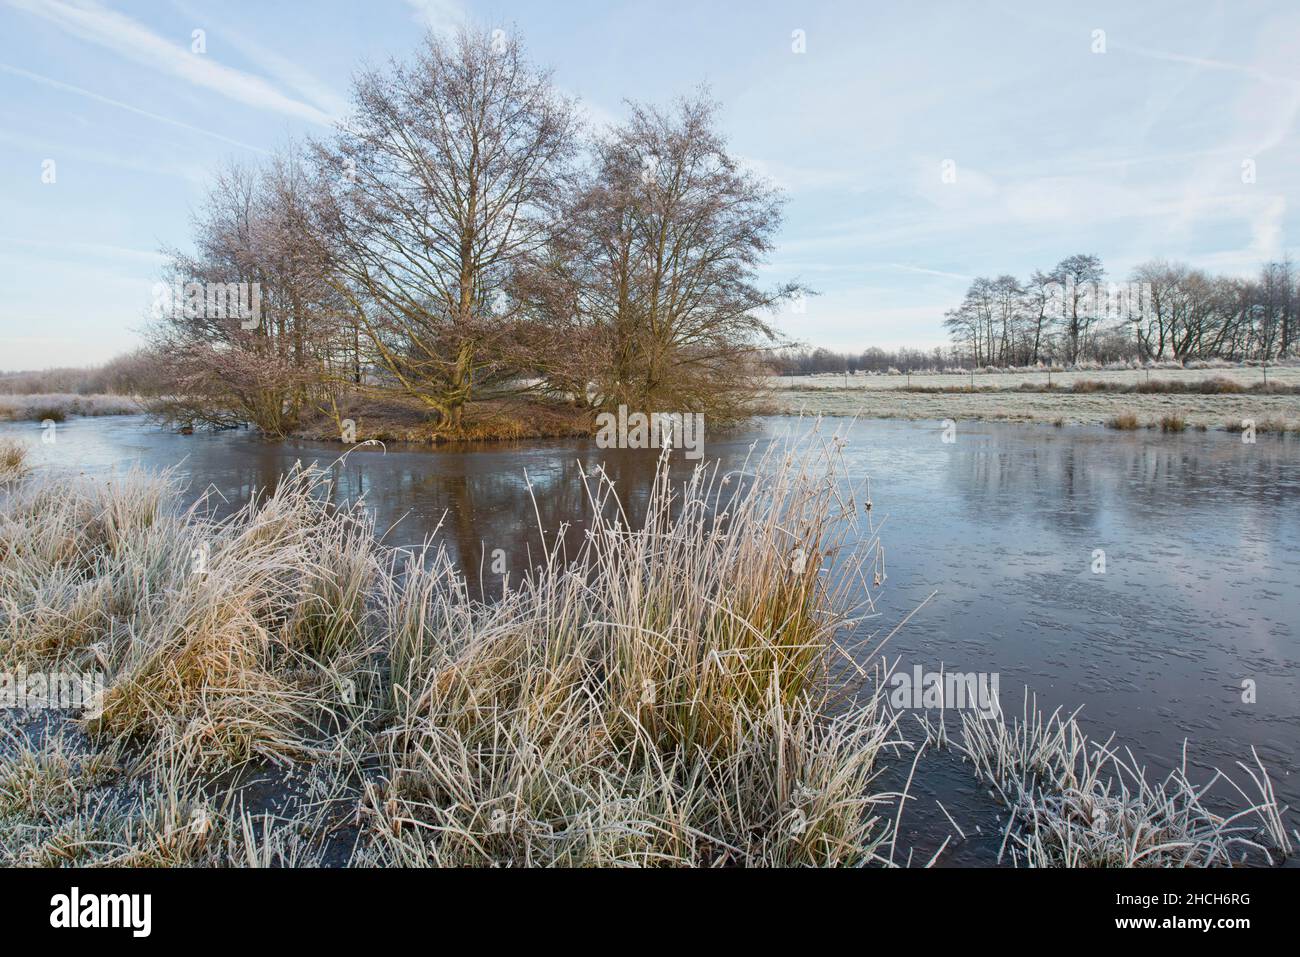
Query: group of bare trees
462	238
1192	315
218	368
805	360
132	373
1163	311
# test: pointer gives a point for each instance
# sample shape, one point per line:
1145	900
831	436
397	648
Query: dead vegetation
1078	802
282	690
660	698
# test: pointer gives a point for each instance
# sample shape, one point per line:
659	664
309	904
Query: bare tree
1276	299
1080	274
669	236
1181	314
1007	296
1155	323
449	175
226	367
1039	295
963	325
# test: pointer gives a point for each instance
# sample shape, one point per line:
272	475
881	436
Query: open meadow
1196	398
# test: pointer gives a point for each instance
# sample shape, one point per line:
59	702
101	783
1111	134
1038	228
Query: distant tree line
134	373
1162	311
805	360
1070	314
462	240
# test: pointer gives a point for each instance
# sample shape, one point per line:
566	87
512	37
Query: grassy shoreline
282	690
659	699
1175	405
384	421
389	421
59	406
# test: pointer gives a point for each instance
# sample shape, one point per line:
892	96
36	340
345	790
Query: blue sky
1131	153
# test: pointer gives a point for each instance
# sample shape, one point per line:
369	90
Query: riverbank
279	689
498	420
1271	412
58	406
385	420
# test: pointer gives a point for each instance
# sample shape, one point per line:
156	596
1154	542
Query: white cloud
95	249
804	179
190	172
441	16
1209	64
89	21
69	88
297	78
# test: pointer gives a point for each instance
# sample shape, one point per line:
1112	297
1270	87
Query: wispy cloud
803	179
79	91
94	249
1207	63
190	172
442	16
89	21
942	274
294	76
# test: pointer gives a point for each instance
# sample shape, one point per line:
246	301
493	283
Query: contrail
69	88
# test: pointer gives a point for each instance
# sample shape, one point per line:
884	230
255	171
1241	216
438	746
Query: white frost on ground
1245	375
883	397
37	406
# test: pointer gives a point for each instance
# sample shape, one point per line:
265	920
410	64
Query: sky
919	145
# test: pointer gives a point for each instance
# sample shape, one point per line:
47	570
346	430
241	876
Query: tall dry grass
13	459
1078	802
661	697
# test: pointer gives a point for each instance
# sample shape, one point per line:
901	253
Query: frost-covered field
60	405
1094	408
1245	375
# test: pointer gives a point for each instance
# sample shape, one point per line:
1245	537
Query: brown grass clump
203	626
13	459
1263	426
1215	385
1275	426
1173	423
663	697
1090	385
1125	422
660	699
